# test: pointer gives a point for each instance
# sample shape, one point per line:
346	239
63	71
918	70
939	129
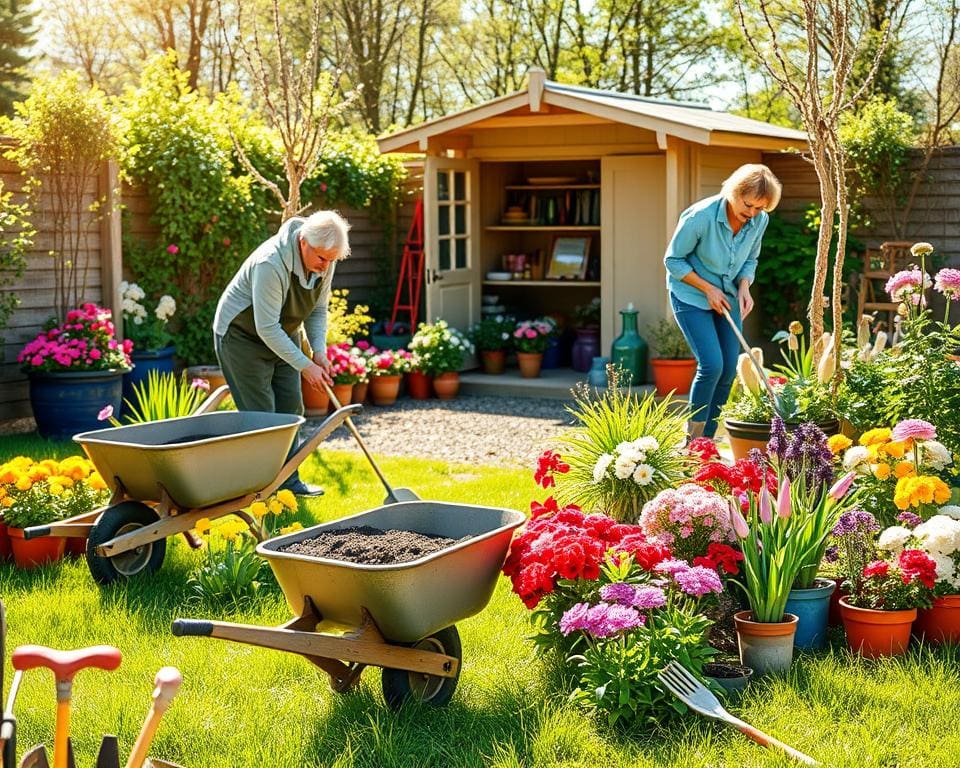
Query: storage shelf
530	187
551	283
543	228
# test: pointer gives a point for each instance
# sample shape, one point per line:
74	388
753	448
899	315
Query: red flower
721	557
549	463
703	448
876	568
916	564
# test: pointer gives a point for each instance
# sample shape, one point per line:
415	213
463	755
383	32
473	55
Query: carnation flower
698	580
908	285
947	282
913	429
857	457
600	468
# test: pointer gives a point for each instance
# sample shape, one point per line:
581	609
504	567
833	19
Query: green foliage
611	432
667	340
493	333
64	132
437	348
230	576
16	21
209	214
16	236
162	396
784	276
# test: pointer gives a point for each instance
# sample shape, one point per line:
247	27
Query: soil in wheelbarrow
371	546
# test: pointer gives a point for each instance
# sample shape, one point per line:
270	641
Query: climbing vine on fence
16	236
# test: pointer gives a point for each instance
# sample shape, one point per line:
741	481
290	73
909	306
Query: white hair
327	229
755	180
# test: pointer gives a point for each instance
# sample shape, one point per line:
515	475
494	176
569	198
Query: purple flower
909	519
672	566
621	593
777	444
832	553
573	618
808	456
698	581
646	598
605	620
913	429
855	521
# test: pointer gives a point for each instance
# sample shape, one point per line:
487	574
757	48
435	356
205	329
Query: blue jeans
716	348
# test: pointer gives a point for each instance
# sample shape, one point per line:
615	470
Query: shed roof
691	121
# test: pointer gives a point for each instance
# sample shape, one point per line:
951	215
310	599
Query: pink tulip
740	526
840	488
766	512
783	499
105	413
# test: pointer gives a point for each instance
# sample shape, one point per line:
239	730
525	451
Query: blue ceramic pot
67	402
812	606
598	372
551	355
159	360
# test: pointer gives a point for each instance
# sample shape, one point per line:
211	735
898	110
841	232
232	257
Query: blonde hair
754	180
327	229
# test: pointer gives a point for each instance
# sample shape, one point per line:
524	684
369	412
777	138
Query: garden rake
682	684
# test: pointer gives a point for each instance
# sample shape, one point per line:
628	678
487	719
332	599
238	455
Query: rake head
682	684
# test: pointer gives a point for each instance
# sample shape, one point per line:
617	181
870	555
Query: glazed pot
384	389
585	347
67	402
31	553
874	633
941	623
145	361
767	647
446	385
673	375
811	606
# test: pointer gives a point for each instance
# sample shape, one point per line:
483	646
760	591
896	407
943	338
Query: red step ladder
411	272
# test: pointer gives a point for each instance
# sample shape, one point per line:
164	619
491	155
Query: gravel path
505	431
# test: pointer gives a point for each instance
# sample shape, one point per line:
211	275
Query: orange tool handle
768	741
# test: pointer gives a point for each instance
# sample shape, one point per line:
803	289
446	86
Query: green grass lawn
245	706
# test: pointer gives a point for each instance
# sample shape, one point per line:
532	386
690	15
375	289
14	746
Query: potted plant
802	393
530	338
153	347
586	346
851	548
492	338
38	493
74	369
386	371
347	367
438	351
673	364
781	537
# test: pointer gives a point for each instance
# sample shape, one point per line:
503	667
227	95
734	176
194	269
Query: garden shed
556	194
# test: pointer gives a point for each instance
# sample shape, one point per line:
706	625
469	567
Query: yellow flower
24	483
56	489
39	472
839	443
7	501
288	500
95	481
903	493
203	526
258	509
3	492
896	450
291	528
941	491
51	466
8	473
76	467
63	480
881	471
232	529
904	469
875	436
275	506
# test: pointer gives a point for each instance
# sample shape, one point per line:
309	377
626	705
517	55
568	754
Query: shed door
633	212
451	223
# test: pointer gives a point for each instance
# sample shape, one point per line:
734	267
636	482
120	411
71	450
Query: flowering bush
348	364
492	334
390	362
622	451
688	519
437	348
85	342
343	324
852	545
897	468
904	582
938	538
532	336
147	330
39	492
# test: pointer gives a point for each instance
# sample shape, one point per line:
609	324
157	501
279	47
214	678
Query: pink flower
36	360
106	413
96	354
323	186
840	488
907	285
947	282
913	429
199	383
226	242
172	249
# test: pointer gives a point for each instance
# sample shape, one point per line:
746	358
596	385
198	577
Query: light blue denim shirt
704	243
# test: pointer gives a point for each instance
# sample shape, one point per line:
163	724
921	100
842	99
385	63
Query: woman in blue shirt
711	261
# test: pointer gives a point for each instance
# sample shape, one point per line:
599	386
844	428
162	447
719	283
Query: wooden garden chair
878	267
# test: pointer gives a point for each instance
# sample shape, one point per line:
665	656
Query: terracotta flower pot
360	392
316	402
673	375
30	553
529	363
766	647
384	389
941	623
343	393
418	385
834	619
4	542
446	385
876	633
745	435
494	361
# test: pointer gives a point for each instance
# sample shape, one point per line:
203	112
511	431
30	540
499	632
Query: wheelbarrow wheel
400	686
123	518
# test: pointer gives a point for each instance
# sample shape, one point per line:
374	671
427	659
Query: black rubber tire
400	686
122	518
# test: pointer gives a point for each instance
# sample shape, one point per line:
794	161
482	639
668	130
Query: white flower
940	535
624	447
894	538
643	475
935	454
946	569
623	466
138	320
600	468
165	308
857	457
951	510
646	444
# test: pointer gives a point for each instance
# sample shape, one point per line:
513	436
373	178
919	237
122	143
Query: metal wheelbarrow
167	475
400	617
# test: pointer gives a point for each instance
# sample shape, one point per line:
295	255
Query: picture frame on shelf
569	257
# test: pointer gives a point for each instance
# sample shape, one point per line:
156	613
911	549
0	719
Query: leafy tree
16	37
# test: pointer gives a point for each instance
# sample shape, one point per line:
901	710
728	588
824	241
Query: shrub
492	334
16	236
147	330
437	348
85	342
667	341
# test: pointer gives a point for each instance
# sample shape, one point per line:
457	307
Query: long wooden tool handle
356	436
166	684
768	741
756	363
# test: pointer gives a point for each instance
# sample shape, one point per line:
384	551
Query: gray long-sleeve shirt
263	281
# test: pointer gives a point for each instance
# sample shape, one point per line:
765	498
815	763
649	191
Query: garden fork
682	684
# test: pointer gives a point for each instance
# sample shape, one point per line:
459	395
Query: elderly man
281	288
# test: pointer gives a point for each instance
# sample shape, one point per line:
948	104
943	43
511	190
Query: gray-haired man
283	286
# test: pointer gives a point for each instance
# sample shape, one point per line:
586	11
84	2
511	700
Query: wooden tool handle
768	741
166	684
